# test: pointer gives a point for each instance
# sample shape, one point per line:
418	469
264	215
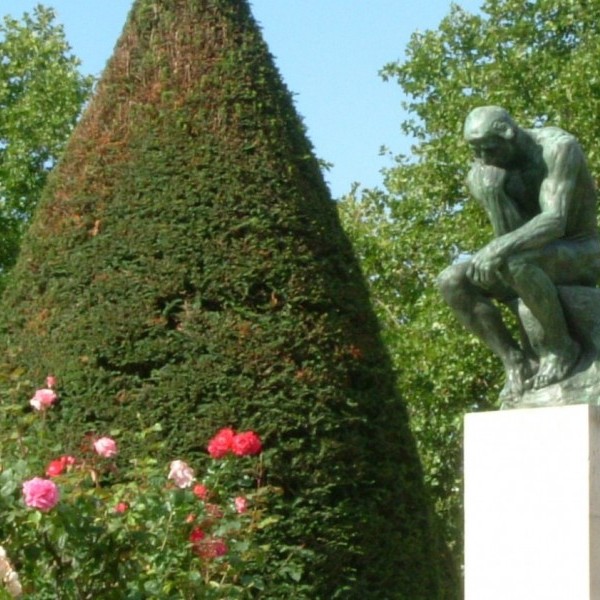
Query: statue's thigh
454	279
565	263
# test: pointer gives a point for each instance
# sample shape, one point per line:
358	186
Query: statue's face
494	151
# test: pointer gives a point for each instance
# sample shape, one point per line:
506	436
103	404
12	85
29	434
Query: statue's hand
484	267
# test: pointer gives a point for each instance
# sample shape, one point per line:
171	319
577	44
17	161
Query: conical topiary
186	266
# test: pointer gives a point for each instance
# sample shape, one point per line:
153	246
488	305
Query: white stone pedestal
532	504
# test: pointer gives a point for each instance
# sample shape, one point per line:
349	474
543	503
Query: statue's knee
450	281
515	269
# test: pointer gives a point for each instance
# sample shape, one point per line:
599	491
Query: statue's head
492	134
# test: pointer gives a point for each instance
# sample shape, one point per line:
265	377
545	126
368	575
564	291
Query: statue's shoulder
557	146
551	137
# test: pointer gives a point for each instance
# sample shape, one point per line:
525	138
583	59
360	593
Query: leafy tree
186	266
41	94
537	59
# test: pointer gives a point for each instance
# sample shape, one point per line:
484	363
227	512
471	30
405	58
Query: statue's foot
518	380
555	366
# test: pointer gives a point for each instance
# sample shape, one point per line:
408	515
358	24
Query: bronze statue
537	191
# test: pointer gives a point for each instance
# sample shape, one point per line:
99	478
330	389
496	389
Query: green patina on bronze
537	191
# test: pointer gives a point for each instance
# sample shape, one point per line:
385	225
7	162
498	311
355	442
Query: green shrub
187	267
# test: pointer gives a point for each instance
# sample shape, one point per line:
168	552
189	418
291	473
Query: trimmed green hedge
187	266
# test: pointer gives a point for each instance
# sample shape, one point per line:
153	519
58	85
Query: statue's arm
563	160
487	185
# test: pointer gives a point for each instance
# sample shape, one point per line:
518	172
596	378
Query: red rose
196	535
200	491
121	507
214	511
246	443
220	444
211	548
58	466
55	468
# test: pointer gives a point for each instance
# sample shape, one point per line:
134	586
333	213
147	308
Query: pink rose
106	447
220	444
246	444
201	491
121	507
40	493
241	504
43	399
50	381
181	473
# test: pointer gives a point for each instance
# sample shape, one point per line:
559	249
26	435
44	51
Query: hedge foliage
187	266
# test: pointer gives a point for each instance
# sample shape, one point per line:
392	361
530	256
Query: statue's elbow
557	226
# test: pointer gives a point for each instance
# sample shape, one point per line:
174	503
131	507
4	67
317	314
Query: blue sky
329	53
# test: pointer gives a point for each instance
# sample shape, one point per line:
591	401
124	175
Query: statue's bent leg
531	275
475	310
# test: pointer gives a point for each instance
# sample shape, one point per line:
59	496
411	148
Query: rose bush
95	527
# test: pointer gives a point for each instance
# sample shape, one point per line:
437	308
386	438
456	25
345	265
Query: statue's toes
507	393
529	383
540	381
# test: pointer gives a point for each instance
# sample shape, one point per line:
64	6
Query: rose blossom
12	584
57	466
43	399
40	493
220	444
210	547
246	444
219	547
106	447
213	511
201	491
196	535
181	473
241	504
121	507
50	381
